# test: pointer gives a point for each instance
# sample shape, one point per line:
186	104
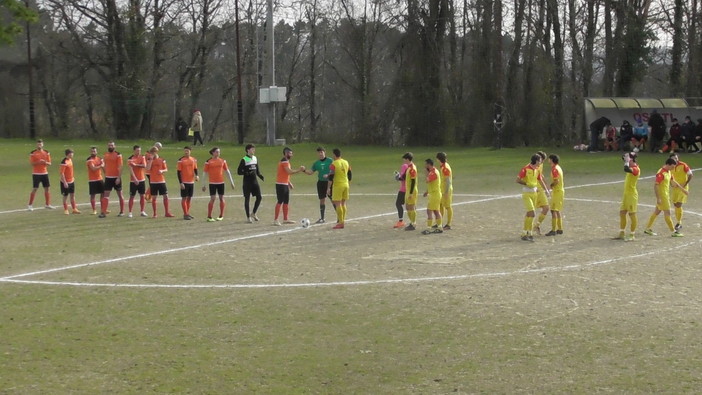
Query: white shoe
30	208
129	215
254	216
276	223
249	220
143	214
49	207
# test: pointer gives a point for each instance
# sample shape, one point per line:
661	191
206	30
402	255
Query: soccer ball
305	222
158	145
636	149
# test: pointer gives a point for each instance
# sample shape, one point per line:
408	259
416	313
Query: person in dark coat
595	129
181	129
687	133
658	129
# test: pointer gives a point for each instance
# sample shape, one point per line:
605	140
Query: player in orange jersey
283	186
95	183
215	167
40	159
113	176
187	175
68	186
137	178
147	196
158	167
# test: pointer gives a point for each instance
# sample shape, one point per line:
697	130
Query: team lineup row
334	175
675	174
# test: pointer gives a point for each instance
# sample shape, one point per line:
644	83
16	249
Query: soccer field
146	305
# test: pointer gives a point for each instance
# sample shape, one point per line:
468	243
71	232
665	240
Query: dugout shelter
635	110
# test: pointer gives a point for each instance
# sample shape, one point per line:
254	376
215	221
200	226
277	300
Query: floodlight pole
270	122
32	123
239	102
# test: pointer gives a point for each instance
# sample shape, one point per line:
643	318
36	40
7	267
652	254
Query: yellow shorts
529	199
411	198
665	204
629	203
541	198
340	192
434	202
447	199
557	198
679	196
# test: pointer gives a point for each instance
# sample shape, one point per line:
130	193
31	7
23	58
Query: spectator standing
657	126
181	129
596	128
196	126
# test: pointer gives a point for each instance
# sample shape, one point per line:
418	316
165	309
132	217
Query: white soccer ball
636	149
158	145
305	222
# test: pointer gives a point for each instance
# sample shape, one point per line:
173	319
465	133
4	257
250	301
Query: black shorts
67	191
134	188
251	188
322	189
42	179
217	189
111	183
188	191
158	189
282	192
96	187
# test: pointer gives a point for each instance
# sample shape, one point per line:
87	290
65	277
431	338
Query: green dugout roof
631	102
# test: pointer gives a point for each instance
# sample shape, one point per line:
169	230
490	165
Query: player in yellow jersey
557	196
630	200
434	193
682	174
446	190
661	187
410	180
530	177
541	196
339	175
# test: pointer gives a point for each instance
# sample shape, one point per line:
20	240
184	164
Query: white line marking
15	278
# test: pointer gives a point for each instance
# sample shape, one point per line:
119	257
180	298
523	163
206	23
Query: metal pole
32	123
239	104
271	106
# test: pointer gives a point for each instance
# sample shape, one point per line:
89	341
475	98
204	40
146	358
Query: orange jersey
138	165
113	164
66	170
94	175
187	167
148	157
35	157
157	166
282	177
215	168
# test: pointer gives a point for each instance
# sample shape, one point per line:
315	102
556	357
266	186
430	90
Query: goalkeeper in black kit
248	168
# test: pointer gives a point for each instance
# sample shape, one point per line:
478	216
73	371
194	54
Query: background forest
384	72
